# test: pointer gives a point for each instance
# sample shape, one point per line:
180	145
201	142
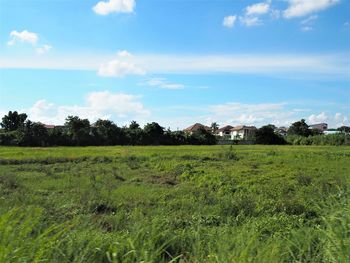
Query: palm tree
214	127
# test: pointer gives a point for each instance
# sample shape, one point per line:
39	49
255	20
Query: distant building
281	131
48	126
321	127
224	131
331	132
242	132
196	127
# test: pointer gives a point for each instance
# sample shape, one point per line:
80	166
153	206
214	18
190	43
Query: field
178	204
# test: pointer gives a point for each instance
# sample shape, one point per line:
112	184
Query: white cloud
257	9
229	21
118	68
24	36
306	28
322	117
163	83
250	114
114	6
116	106
124	54
250	21
299	8
309	20
333	121
44	49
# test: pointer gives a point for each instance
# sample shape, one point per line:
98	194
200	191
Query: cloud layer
103	104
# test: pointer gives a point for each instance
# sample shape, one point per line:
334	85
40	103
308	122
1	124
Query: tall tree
79	130
13	121
299	128
214	127
266	135
107	132
153	133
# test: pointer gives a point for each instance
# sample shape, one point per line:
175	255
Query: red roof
196	127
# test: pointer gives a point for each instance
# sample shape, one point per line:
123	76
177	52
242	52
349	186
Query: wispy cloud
333	65
229	21
43	49
163	84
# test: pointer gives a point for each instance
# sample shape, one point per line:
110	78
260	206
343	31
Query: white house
224	131
242	132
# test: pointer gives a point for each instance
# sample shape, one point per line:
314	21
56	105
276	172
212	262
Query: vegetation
175	204
18	131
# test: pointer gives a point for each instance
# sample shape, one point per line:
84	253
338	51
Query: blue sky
177	61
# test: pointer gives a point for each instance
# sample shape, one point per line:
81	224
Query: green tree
153	133
13	121
78	130
344	129
107	132
33	134
202	137
267	135
214	127
300	128
134	134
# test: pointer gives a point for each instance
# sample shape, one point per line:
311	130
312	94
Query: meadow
175	204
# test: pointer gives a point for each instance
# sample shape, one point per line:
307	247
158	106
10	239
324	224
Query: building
281	131
321	127
196	127
224	131
242	132
331	132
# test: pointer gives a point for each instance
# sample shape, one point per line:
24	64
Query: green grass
175	204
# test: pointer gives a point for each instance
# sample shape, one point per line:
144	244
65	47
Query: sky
177	62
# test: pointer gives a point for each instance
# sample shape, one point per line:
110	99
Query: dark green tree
78	130
300	128
13	121
107	133
344	129
134	134
153	133
214	127
202	137
267	135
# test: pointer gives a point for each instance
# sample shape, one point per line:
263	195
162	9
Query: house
224	131
320	127
49	126
242	132
196	127
281	131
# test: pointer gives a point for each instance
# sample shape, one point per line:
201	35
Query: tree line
17	130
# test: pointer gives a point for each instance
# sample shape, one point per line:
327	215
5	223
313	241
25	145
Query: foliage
329	139
13	121
299	128
267	135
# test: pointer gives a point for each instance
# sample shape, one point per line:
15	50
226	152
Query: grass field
178	204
